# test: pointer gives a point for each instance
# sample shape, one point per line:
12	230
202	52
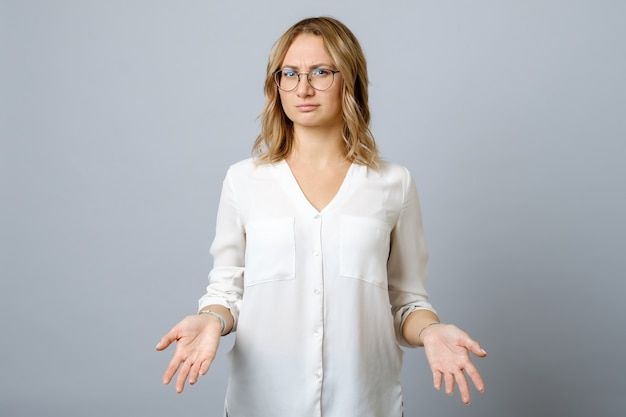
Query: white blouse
318	297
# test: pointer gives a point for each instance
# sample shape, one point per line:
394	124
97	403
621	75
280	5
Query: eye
320	72
287	73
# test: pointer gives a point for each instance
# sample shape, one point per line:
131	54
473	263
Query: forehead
306	50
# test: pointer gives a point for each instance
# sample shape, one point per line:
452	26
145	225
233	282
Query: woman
319	254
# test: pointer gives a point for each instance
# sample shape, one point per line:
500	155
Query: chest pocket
270	251
364	249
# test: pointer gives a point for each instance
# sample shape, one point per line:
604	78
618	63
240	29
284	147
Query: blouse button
315	253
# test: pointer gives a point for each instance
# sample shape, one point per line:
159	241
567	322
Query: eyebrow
295	67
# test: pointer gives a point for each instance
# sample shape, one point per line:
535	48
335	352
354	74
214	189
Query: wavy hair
276	139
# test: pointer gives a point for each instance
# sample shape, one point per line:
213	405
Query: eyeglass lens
319	79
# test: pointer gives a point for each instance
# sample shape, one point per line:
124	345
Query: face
305	106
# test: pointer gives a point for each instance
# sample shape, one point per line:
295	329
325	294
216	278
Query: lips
306	107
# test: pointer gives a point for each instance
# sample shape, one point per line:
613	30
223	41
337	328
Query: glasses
320	79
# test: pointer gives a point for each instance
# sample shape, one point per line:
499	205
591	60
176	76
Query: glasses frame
276	73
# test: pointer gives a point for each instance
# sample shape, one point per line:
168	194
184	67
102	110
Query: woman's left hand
447	349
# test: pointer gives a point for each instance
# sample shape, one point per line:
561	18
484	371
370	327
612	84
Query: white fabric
318	298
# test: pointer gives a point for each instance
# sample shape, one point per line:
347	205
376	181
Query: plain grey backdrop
118	120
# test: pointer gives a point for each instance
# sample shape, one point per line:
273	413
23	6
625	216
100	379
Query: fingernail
483	351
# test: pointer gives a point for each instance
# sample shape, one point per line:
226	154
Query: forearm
415	323
224	313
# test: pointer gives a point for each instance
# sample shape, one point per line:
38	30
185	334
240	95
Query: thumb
166	340
163	344
476	349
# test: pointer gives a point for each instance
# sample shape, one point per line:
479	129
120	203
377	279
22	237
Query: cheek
338	102
284	101
337	97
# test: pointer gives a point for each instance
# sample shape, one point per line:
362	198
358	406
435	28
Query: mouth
306	107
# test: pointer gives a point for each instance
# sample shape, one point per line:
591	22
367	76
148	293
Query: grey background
118	120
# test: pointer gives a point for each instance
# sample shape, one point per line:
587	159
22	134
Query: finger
204	368
437	380
194	372
475	377
461	382
183	373
449	380
171	370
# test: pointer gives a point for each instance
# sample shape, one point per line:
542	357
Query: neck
317	147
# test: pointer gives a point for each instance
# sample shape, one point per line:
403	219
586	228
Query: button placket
318	291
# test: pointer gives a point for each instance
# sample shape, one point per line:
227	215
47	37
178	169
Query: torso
320	275
319	186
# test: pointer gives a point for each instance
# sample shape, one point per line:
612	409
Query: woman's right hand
197	338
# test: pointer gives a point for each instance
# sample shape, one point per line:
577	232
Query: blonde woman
319	255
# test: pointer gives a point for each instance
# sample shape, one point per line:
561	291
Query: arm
416	323
224	313
197	337
407	268
447	347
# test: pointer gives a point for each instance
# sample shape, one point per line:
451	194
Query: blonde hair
275	141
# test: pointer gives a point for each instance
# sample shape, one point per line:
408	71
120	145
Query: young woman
319	254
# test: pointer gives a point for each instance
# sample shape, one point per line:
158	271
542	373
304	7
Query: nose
304	88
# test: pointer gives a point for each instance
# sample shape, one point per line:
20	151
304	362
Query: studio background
118	120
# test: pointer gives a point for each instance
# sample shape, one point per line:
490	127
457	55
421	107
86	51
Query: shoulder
392	172
250	169
247	166
393	169
393	179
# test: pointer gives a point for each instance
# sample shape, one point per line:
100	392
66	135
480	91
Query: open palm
447	349
197	339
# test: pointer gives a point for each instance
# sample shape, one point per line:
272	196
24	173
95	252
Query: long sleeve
228	251
407	267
